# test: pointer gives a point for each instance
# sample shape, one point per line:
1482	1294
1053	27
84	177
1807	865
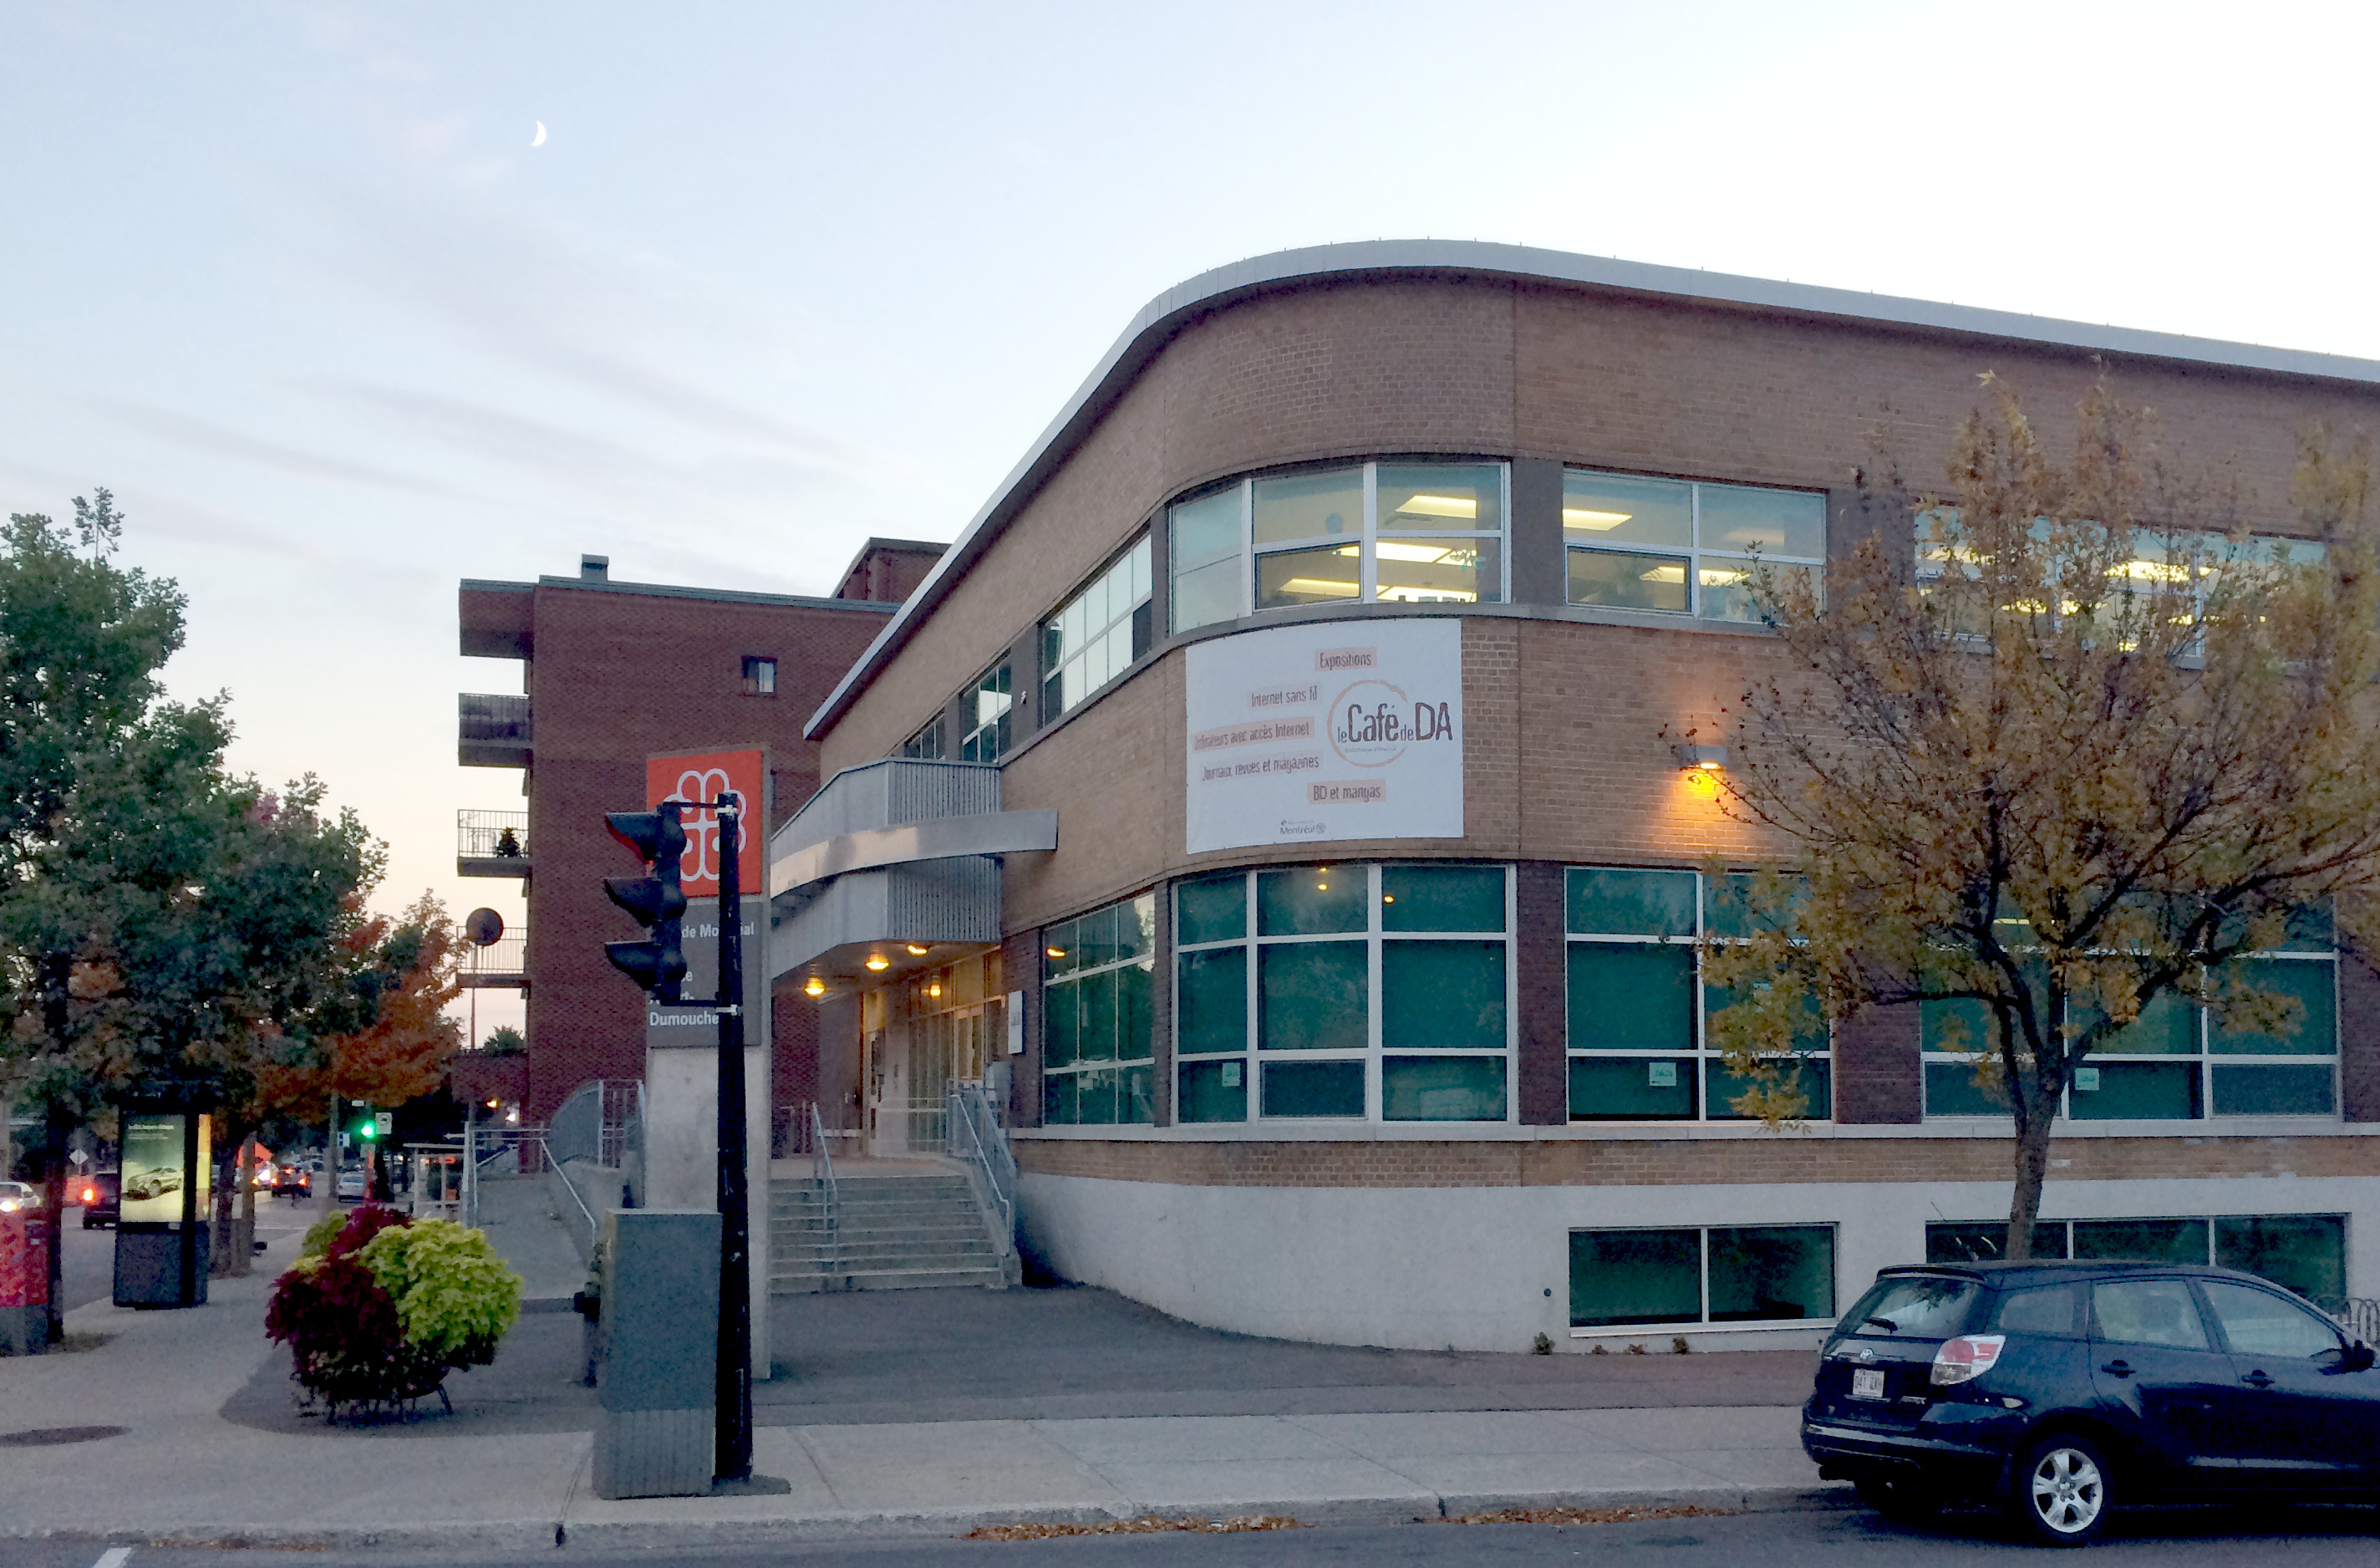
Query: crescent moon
539	139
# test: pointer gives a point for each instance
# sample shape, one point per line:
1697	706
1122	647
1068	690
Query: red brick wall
618	675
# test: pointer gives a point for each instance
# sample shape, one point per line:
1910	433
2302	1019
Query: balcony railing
491	843
492	730
503	962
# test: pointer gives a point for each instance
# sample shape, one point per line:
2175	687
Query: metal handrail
830	1197
986	1152
2361	1317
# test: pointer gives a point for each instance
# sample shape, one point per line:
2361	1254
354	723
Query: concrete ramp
517	1213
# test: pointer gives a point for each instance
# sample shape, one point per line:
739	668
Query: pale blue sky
290	278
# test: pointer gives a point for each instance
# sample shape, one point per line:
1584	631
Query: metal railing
2360	1315
492	835
505	955
830	1195
977	1140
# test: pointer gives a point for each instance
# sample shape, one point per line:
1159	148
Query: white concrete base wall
682	1152
1488	1267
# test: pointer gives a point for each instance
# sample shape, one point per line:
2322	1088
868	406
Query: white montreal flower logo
700	863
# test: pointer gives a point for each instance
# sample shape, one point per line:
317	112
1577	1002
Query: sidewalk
189	1467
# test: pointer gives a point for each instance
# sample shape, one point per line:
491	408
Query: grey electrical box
657	1388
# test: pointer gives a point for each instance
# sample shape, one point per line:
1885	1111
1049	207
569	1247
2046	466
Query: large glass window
1413	533
1098	1057
2176	1061
1641	1047
2306	1253
1362	992
1097	635
1637	544
991	706
1701	1275
927	744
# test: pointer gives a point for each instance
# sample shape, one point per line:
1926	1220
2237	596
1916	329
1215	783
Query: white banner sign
1351	729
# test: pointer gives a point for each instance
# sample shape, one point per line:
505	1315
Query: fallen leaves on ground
1146	1524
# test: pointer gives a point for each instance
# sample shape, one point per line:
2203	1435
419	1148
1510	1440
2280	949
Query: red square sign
705	776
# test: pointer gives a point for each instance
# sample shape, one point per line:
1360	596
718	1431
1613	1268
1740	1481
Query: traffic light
656	964
368	1128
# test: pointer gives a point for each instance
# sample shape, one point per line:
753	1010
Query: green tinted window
2286	1088
1987	1243
1310	900
1443	1088
1632	1088
1736	907
1442	898
1060	1027
1607	901
1310	996
1634	1277
1313	1088
1211	910
1213	1092
1767	1273
2167	1026
1624	996
1951	1090
1809	1034
2143	1241
2134	1091
1442	995
2312	984
1722	1087
1962	1028
1211	995
2306	1253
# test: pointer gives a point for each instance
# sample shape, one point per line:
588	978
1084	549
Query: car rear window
2054	1310
1932	1306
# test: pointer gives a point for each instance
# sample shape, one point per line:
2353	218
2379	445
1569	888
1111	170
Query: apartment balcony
503	965
493	731
491	844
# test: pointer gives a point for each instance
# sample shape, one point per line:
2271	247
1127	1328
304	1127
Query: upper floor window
927	744
1413	533
1639	543
1097	635
990	715
759	678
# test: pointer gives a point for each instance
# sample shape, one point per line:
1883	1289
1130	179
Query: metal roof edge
489	584
1154	325
729	595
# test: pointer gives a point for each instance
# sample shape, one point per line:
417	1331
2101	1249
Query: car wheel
89	1223
2063	1491
1901	1498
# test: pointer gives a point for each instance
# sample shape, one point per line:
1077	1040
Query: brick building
1314	1024
613	672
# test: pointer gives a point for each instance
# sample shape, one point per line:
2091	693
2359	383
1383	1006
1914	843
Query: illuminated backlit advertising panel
153	1170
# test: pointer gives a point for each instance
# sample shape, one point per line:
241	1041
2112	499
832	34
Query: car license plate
1868	1383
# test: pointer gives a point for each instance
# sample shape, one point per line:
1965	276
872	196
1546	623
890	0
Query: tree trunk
327	1199
220	1262
58	1126
243	1230
2031	1169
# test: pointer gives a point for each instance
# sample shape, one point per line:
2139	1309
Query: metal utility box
658	1387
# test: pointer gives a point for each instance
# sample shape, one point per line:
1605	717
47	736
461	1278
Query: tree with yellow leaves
2065	775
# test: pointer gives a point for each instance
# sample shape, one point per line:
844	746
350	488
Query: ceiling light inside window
1593	522
1440	507
1394	549
1321	588
1665	574
814	986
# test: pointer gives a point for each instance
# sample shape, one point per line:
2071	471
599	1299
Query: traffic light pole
732	1447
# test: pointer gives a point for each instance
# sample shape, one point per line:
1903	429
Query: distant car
17	1196
100	1194
351	1182
294	1180
2064	1392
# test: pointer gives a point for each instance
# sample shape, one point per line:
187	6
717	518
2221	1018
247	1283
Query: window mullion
1248	549
1374	1103
1368	581
1702	1253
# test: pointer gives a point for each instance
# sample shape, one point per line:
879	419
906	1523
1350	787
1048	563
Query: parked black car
101	1194
2063	1390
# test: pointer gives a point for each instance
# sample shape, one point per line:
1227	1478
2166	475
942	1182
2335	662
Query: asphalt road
2312	1538
89	1264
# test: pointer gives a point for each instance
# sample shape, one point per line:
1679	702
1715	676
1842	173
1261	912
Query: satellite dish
483	926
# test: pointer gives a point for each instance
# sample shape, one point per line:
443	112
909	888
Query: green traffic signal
368	1129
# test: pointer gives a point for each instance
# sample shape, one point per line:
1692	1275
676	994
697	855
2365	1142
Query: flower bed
378	1307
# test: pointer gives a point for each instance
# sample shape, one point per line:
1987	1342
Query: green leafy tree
2101	750
505	1040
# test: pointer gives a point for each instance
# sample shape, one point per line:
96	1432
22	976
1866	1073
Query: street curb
852	1525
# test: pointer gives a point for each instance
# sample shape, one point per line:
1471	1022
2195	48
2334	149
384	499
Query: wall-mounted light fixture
814	986
1701	759
916	950
878	963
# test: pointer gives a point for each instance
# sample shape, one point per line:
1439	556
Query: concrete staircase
916	1229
